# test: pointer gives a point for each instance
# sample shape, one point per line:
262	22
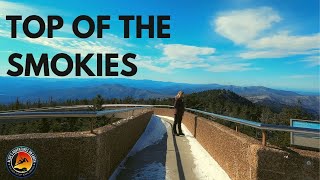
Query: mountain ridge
59	89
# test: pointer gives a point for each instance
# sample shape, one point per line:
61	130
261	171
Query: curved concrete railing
242	157
78	155
34	113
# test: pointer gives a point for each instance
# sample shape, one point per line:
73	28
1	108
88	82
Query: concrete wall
78	155
243	157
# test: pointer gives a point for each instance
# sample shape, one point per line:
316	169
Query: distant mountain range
32	89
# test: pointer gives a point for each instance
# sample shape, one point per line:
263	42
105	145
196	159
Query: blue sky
240	42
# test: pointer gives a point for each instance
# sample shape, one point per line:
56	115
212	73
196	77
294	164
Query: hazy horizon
302	91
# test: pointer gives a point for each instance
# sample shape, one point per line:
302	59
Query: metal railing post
195	125
264	138
91	125
127	113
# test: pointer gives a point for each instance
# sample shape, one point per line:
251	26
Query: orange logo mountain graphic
23	162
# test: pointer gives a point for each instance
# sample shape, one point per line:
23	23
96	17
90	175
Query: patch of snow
205	166
153	133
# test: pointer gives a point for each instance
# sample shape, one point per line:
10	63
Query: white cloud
4	33
167	67
287	42
274	53
6	51
150	65
180	51
282	45
242	26
179	56
232	67
248	27
312	60
188	65
73	45
11	8
148	62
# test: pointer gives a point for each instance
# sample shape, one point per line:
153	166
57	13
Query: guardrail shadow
178	157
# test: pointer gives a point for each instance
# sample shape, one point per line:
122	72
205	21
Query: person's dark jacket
179	106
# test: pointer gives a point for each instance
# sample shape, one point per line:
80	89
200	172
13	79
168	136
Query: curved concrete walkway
160	155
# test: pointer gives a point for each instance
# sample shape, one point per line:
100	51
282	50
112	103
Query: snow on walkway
159	155
205	166
153	133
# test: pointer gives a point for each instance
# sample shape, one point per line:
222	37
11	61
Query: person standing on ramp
178	113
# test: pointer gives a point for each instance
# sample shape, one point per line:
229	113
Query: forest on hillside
222	102
228	103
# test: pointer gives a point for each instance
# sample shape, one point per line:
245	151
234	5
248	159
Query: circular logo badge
21	162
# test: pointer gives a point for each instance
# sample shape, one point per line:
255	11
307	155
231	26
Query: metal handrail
27	115
254	124
46	108
262	126
74	107
257	125
64	114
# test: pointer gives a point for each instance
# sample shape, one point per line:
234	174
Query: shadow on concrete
149	163
179	163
